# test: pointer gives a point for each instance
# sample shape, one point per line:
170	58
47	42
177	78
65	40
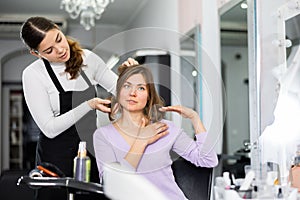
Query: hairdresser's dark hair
33	32
154	101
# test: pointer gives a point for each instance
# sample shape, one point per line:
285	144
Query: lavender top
155	165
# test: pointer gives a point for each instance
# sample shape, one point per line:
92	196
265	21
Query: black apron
62	149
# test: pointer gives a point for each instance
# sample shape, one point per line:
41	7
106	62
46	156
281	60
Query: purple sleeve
105	153
192	150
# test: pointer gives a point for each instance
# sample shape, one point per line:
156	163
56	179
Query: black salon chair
9	190
195	182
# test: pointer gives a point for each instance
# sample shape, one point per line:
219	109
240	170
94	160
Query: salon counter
71	184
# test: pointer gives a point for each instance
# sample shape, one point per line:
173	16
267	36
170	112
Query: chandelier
89	10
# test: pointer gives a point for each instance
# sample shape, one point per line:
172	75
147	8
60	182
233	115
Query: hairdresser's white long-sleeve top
42	97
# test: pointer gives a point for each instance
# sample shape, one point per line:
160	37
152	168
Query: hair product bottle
295	170
82	164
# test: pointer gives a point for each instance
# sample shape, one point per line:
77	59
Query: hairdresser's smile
64	56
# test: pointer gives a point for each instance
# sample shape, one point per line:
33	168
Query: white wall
211	70
98	38
190	14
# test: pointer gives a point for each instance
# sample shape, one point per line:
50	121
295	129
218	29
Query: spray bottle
82	164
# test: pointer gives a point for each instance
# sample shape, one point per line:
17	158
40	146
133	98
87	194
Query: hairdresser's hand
182	110
153	132
100	104
129	62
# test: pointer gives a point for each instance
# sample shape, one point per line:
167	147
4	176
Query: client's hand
152	132
187	113
182	110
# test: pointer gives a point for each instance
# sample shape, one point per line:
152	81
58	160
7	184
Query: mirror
281	134
190	74
234	64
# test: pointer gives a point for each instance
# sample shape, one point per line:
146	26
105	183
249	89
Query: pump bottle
82	164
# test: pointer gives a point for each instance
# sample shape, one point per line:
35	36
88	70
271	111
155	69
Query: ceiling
234	26
234	12
120	12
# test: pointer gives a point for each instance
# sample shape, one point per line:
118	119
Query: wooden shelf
16	129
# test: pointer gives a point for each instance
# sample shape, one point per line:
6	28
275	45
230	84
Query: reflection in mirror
234	60
189	79
293	34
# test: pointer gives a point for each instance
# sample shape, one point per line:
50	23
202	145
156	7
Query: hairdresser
59	89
